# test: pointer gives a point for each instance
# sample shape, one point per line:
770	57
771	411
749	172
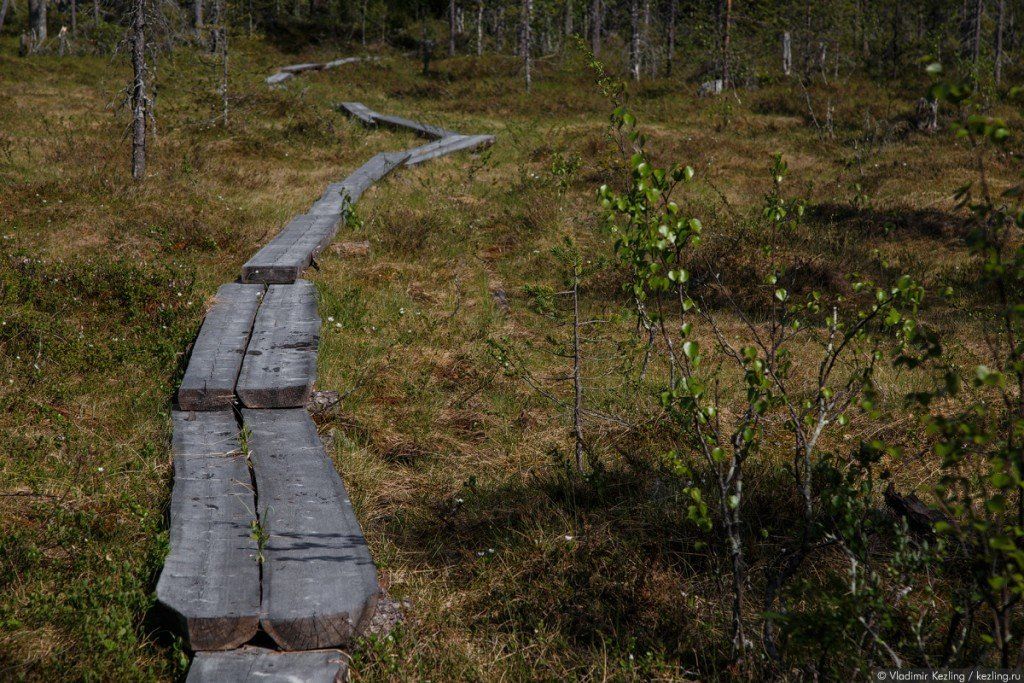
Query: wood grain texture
211	578
209	381
449	145
279	77
319	583
359	111
422	129
282	260
259	665
279	368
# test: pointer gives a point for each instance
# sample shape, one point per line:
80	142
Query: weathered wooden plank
359	111
422	129
319	583
339	196
334	63
209	381
449	145
211	579
259	665
299	68
279	367
282	259
279	77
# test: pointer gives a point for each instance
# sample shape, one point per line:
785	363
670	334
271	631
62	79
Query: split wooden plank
282	259
260	665
338	197
449	145
422	129
319	582
359	111
211	578
299	68
279	368
209	381
279	77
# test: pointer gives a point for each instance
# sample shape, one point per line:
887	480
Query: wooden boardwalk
279	368
211	580
263	534
319	582
259	665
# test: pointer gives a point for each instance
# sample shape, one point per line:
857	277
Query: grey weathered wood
279	368
299	68
422	129
259	665
283	259
319	582
211	579
359	111
209	381
449	145
339	196
279	77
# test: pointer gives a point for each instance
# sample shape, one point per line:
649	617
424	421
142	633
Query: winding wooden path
263	535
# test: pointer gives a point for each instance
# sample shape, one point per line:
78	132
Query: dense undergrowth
451	347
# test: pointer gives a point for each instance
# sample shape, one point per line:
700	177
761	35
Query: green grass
513	567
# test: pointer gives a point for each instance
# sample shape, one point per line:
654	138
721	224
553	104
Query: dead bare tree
787	53
527	40
451	28
577	369
595	29
670	48
634	42
726	25
140	101
479	28
1000	19
37	20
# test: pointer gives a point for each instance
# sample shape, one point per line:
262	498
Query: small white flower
568	537
330	318
99	469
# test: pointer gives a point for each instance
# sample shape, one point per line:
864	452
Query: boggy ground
513	567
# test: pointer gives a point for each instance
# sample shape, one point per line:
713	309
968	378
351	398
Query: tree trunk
1000	18
567	27
670	49
527	39
224	72
595	30
74	17
362	23
139	99
37	19
480	28
787	53
451	28
976	39
96	12
3	13
634	42
726	23
646	51
197	16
